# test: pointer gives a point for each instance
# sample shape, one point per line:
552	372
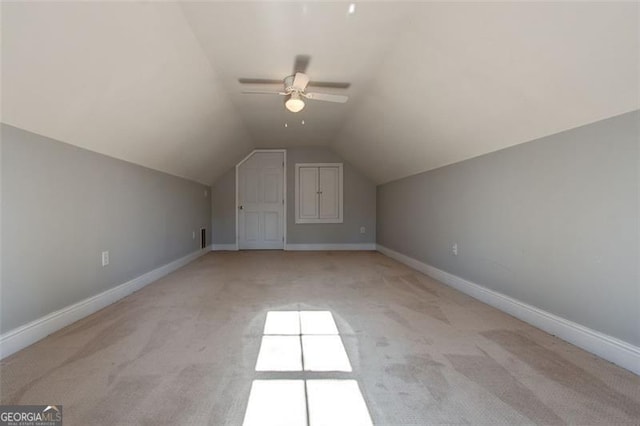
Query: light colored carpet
183	350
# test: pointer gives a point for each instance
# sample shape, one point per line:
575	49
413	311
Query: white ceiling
432	83
124	79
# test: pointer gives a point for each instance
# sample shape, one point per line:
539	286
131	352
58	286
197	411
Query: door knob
240	207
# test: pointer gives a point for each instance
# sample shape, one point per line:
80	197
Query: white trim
301	221
19	338
610	348
224	247
322	247
284	192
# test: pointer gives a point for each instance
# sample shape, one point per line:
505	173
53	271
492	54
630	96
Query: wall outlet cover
105	258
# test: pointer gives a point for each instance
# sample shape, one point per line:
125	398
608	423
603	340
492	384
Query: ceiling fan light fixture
294	103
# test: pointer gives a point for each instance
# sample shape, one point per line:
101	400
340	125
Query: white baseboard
25	335
323	247
305	247
610	348
224	247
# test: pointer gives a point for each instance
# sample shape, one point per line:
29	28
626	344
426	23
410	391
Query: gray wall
359	204
552	222
62	206
223	209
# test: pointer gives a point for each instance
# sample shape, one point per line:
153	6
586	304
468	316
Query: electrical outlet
206	193
454	249
193	235
105	258
363	230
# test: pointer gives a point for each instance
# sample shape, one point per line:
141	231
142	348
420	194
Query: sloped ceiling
124	79
432	83
474	78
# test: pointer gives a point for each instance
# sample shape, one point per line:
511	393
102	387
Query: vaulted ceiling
432	83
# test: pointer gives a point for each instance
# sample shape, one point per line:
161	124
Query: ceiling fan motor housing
288	83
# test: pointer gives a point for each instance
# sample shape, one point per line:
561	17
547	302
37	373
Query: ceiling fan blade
301	63
300	81
262	92
329	84
326	97
258	81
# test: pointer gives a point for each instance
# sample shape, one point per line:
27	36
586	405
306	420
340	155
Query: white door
261	201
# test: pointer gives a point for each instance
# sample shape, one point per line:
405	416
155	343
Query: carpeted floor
183	350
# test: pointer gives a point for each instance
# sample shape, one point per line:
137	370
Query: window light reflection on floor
294	341
336	403
299	322
282	322
276	403
324	353
317	322
279	353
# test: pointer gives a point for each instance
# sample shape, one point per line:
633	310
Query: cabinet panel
308	193
329	205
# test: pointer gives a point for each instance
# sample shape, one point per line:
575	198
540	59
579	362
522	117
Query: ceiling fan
295	87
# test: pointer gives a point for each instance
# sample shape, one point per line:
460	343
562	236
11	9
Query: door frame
284	192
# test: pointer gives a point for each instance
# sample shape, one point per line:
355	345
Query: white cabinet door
307	192
318	193
260	195
329	205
